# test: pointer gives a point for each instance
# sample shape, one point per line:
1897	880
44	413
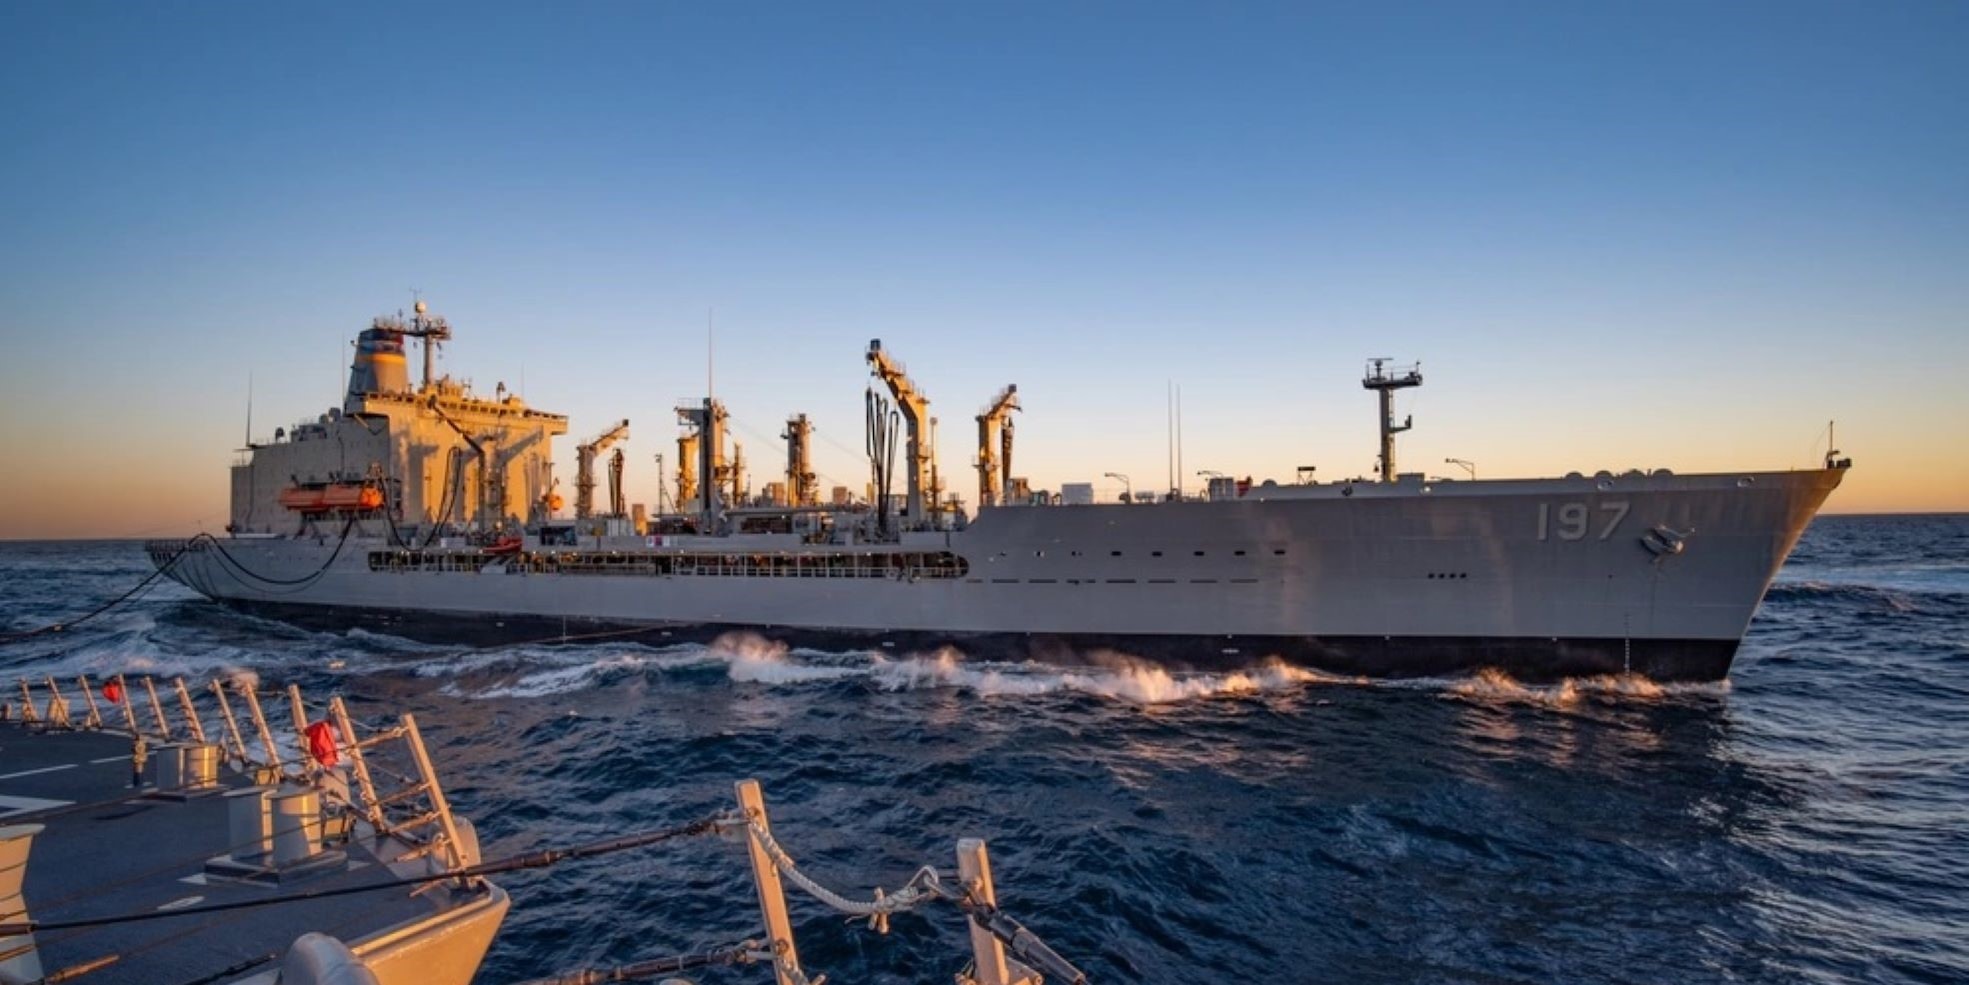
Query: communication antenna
1169	426
710	350
1178	440
249	409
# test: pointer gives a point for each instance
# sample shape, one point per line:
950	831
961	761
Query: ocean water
1808	821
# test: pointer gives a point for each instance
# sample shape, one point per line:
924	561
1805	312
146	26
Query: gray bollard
250	828
296	825
201	766
23	960
170	766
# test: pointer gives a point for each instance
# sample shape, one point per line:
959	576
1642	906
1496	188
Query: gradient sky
1616	235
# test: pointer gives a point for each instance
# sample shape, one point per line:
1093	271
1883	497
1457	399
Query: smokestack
379	366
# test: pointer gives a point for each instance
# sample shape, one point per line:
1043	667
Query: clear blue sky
1616	234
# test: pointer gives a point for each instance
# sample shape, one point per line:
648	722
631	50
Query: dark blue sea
1808	821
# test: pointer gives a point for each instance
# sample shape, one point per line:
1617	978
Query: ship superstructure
429	512
434	456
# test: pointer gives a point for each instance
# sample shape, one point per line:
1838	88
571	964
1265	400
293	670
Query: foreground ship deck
316	878
90	846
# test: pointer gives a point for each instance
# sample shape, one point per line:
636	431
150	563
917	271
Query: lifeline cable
533	860
743	952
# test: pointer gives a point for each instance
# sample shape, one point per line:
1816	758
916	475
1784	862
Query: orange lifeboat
303	499
352	497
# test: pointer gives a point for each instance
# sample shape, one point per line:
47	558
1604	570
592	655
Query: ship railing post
300	728
57	705
129	703
988	952
772	896
192	725
157	710
260	723
95	719
454	851
238	748
28	714
372	808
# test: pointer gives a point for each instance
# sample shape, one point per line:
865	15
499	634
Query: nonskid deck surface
108	850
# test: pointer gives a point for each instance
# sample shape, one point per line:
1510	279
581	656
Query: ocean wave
1493	685
756	660
1820	592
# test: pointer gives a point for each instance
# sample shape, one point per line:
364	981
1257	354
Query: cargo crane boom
915	409
584	479
994	473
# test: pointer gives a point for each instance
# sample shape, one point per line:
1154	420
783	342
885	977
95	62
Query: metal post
974	869
454	852
191	711
232	724
300	725
129	704
157	710
95	719
772	897
260	722
57	705
373	809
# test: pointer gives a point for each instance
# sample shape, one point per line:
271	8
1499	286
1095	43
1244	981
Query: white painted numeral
1573	520
1619	511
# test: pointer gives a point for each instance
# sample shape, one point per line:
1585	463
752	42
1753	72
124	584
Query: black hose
57	627
307	579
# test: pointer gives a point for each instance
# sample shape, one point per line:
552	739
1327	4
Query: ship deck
108	849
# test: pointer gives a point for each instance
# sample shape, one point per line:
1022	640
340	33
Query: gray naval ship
427	511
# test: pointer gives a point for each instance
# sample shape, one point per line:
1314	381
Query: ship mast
432	330
1385	380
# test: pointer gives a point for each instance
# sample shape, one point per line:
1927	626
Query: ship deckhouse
425	458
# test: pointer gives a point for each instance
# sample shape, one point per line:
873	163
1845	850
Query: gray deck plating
109	850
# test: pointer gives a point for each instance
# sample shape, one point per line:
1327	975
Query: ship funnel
379	366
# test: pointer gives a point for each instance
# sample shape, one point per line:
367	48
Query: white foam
1491	684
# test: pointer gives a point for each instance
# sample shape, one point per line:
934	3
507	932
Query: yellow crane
994	473
915	409
584	479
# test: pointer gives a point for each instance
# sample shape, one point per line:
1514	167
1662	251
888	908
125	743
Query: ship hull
1524	658
1650	574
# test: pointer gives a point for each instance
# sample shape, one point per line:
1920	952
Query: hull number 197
1574	521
